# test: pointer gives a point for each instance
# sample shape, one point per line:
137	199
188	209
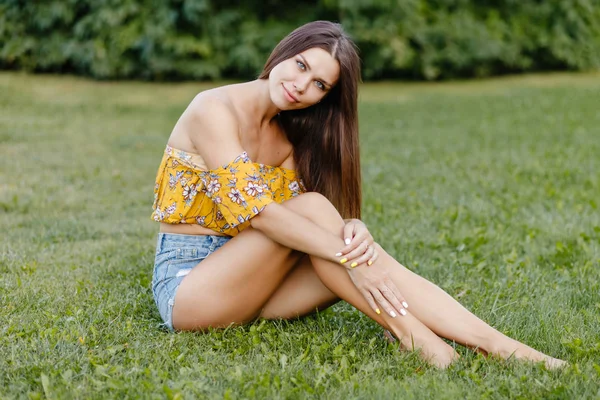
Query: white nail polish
393	314
339	255
403	311
347	241
405	304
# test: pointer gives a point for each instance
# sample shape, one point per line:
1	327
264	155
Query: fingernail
347	241
405	304
403	311
370	263
393	314
338	254
354	264
343	260
378	311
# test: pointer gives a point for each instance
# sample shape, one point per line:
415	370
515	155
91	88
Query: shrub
209	39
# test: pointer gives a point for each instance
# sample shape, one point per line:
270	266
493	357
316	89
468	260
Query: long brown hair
325	135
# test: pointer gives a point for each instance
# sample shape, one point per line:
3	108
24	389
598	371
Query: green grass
488	188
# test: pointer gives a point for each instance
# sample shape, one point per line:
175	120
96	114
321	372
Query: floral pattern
222	199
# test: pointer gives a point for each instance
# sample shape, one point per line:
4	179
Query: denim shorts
176	256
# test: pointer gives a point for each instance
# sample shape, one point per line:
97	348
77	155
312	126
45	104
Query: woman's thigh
176	256
233	284
300	294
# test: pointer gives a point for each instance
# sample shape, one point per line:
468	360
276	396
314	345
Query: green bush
210	39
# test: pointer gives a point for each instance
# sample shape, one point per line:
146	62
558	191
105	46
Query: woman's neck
256	94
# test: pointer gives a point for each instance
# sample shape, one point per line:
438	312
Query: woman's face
304	79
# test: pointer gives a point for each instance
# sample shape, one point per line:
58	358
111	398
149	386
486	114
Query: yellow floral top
222	199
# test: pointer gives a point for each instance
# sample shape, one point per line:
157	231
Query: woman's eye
301	65
320	85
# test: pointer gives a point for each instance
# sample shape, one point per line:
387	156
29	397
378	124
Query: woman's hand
374	283
359	244
376	286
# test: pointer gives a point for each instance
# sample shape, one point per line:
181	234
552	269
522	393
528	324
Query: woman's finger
364	257
357	253
349	231
383	302
393	296
397	293
348	234
367	295
374	257
360	234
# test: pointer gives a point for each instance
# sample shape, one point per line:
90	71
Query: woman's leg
428	302
303	291
449	319
235	283
300	294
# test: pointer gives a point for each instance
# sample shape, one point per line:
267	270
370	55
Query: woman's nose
301	84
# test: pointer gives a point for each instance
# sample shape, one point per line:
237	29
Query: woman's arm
212	127
297	232
213	130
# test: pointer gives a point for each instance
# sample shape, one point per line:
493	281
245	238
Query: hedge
210	39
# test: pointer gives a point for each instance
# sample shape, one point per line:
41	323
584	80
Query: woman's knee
313	203
310	198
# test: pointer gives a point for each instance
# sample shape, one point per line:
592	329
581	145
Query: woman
251	193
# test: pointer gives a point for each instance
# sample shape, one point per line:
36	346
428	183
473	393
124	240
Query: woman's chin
281	104
285	107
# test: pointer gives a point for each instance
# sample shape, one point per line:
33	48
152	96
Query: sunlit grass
488	188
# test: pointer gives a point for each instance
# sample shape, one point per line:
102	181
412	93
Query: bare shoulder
209	127
211	111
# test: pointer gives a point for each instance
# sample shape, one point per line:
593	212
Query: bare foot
420	338
555	363
521	351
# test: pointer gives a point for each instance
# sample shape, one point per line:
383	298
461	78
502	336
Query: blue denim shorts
176	256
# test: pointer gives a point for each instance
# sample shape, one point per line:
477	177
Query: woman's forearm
297	232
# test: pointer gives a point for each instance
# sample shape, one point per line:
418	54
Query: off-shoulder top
222	199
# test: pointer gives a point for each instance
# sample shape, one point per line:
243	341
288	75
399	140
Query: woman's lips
289	96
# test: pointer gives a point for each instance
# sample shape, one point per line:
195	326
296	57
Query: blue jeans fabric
176	256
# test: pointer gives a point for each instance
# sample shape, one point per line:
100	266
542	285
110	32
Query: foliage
209	39
490	189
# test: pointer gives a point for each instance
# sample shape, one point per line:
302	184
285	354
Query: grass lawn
491	189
